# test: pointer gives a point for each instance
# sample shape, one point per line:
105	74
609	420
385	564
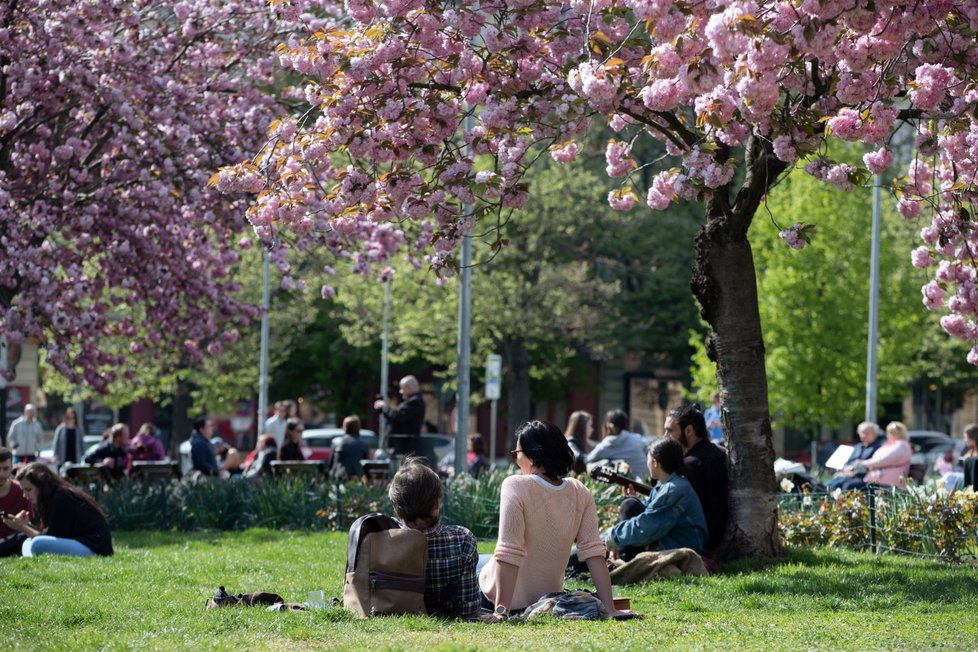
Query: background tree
814	307
112	117
738	92
541	301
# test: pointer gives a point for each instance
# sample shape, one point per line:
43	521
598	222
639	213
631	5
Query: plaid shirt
451	585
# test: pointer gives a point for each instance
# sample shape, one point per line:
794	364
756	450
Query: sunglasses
515	454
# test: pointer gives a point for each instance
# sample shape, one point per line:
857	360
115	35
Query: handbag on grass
385	568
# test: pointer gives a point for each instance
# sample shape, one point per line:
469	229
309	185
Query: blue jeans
43	544
483	560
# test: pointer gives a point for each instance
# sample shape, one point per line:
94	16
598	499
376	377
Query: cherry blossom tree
112	117
739	92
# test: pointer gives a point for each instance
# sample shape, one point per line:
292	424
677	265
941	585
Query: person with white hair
25	435
408	417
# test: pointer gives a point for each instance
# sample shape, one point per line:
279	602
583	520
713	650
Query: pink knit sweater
538	523
890	464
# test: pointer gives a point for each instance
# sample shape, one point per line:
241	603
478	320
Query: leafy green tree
814	308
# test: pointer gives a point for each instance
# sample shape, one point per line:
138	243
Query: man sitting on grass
451	584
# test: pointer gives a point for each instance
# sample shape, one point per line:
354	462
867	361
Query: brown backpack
385	565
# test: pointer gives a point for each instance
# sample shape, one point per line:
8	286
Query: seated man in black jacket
706	467
111	454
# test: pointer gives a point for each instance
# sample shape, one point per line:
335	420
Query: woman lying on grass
72	523
541	514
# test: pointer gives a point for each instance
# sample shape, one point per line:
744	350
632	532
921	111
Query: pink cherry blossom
731	90
878	161
113	117
622	199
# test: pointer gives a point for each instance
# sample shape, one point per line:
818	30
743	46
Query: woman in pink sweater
890	465
541	515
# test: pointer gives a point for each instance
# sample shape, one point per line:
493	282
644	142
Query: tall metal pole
263	359
384	368
464	335
874	300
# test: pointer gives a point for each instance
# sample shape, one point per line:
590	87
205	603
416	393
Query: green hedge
920	521
300	503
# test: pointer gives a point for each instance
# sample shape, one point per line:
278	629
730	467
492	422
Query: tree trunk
181	417
725	285
517	376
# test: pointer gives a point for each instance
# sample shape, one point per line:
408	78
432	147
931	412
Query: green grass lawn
151	595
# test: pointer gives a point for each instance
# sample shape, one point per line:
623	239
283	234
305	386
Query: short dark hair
618	419
200	422
477	444
6	454
415	490
691	415
351	426
546	446
669	454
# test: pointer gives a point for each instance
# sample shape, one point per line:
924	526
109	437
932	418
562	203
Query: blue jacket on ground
673	518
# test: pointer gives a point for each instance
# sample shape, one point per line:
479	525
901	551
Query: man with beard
706	467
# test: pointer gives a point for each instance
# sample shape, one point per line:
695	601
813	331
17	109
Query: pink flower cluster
113	115
795	237
779	79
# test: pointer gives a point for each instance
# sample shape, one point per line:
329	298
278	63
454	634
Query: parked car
929	445
317	443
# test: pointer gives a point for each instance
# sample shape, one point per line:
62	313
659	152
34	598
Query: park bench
155	471
297	468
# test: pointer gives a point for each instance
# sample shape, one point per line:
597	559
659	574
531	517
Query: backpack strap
367	524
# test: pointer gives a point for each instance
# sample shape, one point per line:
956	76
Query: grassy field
151	595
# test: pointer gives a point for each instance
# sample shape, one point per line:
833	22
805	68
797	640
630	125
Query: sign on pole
494	373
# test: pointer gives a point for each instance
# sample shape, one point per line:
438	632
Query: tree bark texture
517	375
725	285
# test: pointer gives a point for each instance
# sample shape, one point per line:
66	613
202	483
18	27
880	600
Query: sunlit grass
151	595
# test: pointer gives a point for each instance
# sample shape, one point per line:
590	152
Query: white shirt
275	426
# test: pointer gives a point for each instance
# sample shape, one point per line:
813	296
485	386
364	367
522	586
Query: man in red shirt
12	501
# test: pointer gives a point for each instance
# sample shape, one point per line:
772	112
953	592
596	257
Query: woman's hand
629	490
17	521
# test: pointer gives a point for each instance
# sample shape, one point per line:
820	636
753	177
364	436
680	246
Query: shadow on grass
838	577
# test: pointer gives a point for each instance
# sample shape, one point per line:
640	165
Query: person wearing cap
202	455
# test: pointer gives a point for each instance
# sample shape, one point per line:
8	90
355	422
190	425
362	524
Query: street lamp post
263	355
874	300
464	335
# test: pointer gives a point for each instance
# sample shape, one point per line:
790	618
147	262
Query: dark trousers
630	508
11	547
